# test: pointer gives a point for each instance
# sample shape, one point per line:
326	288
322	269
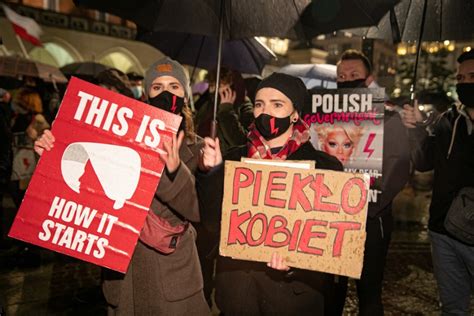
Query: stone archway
55	52
122	59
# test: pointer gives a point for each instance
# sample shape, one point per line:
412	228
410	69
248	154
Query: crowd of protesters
191	189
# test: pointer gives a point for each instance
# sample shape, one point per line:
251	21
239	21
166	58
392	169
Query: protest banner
301	164
314	218
348	124
90	195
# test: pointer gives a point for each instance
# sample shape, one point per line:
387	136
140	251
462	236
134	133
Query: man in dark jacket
448	149
355	71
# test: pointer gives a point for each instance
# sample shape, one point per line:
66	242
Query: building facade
72	34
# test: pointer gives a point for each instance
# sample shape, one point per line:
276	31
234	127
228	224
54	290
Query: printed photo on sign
348	124
90	194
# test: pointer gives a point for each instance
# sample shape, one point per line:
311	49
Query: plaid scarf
259	149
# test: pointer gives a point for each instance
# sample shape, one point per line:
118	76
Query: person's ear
369	80
294	117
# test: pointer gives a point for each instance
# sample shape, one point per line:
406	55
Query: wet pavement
41	282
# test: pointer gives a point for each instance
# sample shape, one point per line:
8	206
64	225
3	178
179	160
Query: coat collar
185	153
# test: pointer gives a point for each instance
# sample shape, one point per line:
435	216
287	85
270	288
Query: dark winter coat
232	122
449	151
302	289
396	163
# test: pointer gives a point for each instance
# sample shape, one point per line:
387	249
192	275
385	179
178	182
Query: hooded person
158	283
447	147
278	133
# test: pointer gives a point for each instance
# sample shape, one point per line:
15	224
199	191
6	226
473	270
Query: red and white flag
25	27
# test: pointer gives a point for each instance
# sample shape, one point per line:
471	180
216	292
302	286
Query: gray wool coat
159	284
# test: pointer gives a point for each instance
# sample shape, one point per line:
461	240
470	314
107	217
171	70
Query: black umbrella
224	19
444	20
242	18
424	20
85	70
326	16
245	55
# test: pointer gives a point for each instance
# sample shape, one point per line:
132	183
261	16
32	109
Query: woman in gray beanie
157	283
255	288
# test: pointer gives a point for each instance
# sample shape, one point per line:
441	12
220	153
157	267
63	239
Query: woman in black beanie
254	288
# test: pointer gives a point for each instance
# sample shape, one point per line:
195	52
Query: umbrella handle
213	129
218	70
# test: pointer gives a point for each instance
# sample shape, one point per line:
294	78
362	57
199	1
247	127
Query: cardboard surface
314	218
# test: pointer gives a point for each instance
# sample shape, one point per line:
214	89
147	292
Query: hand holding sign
103	167
45	142
278	262
171	158
211	155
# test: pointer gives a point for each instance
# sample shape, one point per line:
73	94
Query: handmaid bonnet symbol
119	178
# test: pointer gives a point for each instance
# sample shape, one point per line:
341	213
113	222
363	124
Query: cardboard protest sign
314	218
90	194
348	124
302	164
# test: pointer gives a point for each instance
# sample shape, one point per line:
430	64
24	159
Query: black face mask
358	83
466	94
271	127
168	102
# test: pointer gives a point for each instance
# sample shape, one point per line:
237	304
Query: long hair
188	119
29	100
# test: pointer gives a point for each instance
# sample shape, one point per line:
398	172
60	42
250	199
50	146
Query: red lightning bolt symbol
173	107
26	163
272	126
367	148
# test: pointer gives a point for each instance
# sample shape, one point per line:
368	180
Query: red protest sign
90	194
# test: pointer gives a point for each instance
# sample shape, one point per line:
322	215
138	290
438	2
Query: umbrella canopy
17	66
242	18
326	16
87	69
444	20
313	75
246	55
225	19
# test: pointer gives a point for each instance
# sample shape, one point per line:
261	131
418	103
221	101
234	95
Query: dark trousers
253	289
369	287
453	265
